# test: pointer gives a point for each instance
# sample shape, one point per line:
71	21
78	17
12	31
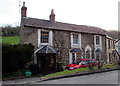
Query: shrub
15	57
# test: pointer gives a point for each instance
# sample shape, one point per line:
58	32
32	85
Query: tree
9	30
113	33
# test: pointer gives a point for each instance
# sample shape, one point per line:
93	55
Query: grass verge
10	40
108	66
65	72
79	70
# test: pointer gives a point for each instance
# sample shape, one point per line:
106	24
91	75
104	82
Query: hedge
14	57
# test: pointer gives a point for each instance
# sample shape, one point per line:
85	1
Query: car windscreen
78	61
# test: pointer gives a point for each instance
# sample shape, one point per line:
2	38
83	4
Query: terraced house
112	54
61	42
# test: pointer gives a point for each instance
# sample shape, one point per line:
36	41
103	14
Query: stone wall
61	42
104	52
29	35
87	39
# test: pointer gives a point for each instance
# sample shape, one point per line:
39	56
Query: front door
48	63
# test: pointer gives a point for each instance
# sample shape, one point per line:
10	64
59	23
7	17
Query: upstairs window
75	39
97	40
44	37
109	44
113	45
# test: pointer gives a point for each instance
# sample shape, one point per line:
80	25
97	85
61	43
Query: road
21	81
99	78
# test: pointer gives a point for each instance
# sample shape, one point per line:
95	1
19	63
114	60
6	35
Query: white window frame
71	58
100	40
79	41
97	46
50	39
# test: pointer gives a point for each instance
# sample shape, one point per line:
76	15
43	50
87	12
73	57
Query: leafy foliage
114	34
10	31
15	57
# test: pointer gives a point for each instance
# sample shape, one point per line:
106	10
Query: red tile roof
39	23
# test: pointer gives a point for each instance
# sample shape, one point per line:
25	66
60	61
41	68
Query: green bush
14	57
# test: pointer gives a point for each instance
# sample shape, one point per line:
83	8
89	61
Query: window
97	40
84	63
88	54
109	57
73	57
44	37
108	44
78	54
113	45
75	39
79	61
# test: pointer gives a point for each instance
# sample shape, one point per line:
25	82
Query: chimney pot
23	3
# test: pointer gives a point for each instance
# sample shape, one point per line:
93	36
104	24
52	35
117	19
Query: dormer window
75	39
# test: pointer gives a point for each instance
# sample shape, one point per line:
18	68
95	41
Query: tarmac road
110	77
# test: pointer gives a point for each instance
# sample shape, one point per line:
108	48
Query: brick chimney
23	10
52	15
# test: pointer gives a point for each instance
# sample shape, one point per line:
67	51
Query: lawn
10	40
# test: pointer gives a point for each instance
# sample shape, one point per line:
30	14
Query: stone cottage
61	42
112	54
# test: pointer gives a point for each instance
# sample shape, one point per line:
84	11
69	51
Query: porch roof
76	50
98	50
46	50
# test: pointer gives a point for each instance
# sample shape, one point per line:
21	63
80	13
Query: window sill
75	44
45	44
98	45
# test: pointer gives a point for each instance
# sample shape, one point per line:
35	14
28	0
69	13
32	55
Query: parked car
82	63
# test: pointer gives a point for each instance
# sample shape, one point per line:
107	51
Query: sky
98	13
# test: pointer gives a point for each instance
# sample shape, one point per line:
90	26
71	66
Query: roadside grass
108	66
79	70
66	72
10	40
